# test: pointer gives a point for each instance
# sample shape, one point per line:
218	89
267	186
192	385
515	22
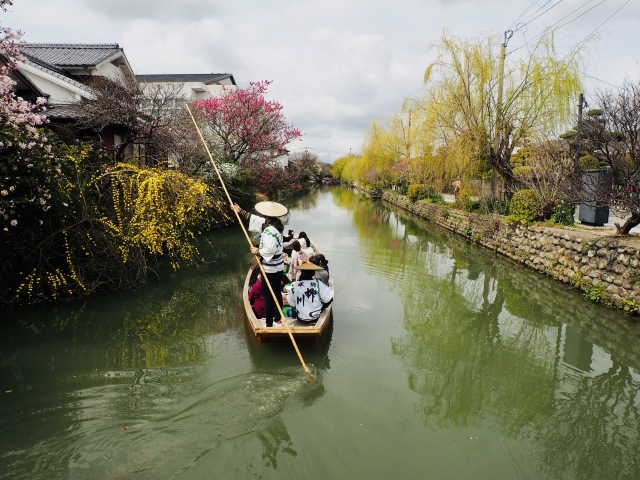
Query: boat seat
291	321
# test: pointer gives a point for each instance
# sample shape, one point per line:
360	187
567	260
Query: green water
443	361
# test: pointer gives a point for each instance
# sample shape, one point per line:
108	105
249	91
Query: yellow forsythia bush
158	210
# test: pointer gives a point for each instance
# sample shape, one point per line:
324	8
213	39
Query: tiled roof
70	54
56	73
206	78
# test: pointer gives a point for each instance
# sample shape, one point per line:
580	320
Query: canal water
443	361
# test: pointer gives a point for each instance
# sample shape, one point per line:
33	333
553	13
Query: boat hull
301	333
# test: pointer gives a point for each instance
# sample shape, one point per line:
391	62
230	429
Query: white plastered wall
59	90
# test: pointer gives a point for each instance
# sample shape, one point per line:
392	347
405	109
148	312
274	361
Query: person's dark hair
321	260
306	239
254	276
307	274
314	259
295	245
275	222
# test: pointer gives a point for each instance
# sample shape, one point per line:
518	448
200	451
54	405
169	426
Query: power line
526	21
317	149
539	35
515	22
599	79
609	17
533	13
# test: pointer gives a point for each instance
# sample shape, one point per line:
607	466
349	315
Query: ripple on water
153	429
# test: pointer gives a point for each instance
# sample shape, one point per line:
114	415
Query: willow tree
462	89
380	151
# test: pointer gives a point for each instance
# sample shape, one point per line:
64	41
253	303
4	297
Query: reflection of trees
169	332
591	429
483	347
304	201
130	357
458	362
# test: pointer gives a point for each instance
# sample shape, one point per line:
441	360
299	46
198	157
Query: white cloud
335	65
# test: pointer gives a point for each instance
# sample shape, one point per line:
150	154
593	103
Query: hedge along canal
605	267
443	361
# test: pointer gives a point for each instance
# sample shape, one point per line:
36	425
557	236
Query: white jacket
271	250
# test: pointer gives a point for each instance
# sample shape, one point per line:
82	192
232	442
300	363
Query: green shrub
524	207
416	192
588	161
463	198
563	215
597	293
471	205
630	305
493	205
437	198
420	191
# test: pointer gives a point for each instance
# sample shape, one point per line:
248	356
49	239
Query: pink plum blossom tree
244	128
15	111
243	124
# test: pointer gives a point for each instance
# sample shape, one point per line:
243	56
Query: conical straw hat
271	209
309	266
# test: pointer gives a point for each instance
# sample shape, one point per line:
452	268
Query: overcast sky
336	65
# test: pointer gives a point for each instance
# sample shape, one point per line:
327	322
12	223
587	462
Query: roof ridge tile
72	45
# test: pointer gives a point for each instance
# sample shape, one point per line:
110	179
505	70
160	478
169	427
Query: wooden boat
304	333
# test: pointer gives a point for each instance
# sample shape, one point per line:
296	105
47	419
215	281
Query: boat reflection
267	356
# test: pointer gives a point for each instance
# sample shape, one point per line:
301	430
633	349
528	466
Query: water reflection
158	380
434	340
490	345
269	356
275	439
304	202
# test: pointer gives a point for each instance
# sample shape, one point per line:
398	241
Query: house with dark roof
60	73
192	86
59	70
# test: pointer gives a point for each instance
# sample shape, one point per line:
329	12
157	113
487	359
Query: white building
59	70
194	86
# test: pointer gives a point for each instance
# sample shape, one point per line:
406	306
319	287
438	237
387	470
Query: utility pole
496	148
581	103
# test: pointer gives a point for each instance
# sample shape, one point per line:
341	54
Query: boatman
270	249
309	296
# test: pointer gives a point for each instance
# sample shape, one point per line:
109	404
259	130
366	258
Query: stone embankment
605	267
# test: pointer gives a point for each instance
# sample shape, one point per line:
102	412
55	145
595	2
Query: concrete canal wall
605	267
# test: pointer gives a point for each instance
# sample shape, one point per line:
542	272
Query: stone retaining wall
605	267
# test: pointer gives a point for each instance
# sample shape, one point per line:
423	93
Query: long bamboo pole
264	275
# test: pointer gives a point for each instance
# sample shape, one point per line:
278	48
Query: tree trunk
632	221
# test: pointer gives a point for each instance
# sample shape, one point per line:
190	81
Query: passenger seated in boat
305	243
322	262
255	298
287	241
309	296
298	257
